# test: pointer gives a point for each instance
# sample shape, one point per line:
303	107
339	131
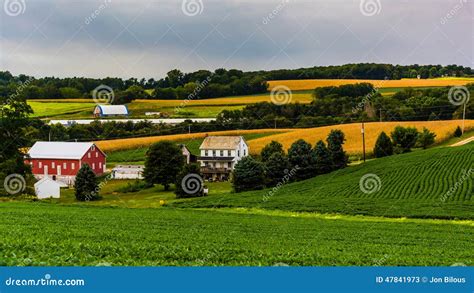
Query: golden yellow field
309	84
130	143
353	145
241	100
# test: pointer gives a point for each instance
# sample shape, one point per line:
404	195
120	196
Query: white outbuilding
48	188
128	172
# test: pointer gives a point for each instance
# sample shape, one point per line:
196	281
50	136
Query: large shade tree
164	160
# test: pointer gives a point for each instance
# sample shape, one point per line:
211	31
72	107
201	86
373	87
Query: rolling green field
422	214
422	184
45	234
62	109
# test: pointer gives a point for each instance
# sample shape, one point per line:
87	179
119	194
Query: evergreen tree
248	174
458	132
189	182
323	158
383	146
302	156
276	167
86	187
335	141
164	160
270	149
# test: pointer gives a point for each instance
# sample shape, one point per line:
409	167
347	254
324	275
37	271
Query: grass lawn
113	196
58	235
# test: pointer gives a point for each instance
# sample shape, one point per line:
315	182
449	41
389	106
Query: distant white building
110	110
219	154
127	172
48	188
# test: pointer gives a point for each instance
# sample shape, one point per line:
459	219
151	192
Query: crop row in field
309	84
353	144
435	183
67	235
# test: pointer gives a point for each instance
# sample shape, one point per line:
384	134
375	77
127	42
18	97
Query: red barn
62	160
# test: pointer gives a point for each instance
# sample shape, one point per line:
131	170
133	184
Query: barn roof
221	142
48	181
113	109
59	150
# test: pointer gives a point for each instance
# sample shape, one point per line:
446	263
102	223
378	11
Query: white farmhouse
47	188
219	154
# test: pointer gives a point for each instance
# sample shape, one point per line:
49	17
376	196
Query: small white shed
47	187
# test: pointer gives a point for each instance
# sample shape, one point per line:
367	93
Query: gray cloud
148	38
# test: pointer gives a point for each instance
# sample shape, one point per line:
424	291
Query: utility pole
49	135
189	128
380	115
275	122
464	116
363	139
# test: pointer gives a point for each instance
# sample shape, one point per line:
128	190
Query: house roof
221	142
113	109
59	150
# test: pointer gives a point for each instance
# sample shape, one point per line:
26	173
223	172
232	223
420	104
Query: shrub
276	167
323	158
404	138
335	141
270	149
383	146
458	132
164	160
426	138
86	187
248	175
300	154
189	182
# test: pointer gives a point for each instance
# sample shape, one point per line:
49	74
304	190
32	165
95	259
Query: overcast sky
148	38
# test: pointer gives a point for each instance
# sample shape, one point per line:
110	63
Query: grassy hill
436	183
48	234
